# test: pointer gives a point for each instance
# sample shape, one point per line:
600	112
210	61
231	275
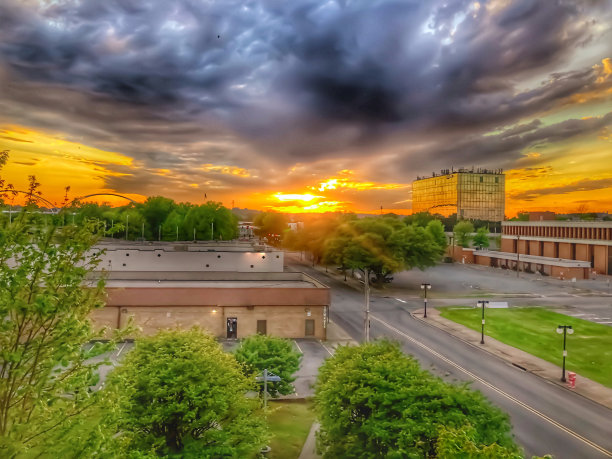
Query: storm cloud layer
267	84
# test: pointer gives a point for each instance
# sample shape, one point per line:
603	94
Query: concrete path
309	451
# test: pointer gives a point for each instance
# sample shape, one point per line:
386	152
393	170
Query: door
232	327
310	324
262	326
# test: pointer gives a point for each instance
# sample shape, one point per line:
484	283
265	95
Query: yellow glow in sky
58	163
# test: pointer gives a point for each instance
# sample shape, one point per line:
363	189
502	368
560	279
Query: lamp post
565	329
127	225
425	287
482	302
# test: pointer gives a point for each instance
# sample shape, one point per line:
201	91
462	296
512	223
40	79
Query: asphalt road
546	419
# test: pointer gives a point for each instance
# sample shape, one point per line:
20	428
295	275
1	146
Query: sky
308	106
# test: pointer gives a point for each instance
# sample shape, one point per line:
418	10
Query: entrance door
310	324
232	327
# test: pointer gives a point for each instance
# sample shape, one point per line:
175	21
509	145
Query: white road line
121	350
325	347
496	389
298	346
400	300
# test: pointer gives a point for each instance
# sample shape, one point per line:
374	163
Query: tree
463	233
155	210
45	302
180	395
436	229
270	225
481	238
460	443
260	352
374	401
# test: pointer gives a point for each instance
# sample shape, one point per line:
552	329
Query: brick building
227	304
563	249
232	289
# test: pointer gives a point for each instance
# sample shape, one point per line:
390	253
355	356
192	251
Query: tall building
471	194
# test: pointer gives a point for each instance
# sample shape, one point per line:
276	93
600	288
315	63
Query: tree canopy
463	233
374	401
180	395
384	245
45	373
481	238
277	355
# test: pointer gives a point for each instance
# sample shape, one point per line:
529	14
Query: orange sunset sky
326	110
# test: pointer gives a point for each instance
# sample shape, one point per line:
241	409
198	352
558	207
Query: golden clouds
228	170
58	162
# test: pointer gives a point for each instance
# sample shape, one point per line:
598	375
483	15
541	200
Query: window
481	179
496	179
262	326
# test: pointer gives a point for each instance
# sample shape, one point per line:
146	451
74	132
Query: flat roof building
181	256
471	194
232	289
227	304
562	249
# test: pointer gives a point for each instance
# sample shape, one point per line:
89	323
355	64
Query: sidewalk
584	386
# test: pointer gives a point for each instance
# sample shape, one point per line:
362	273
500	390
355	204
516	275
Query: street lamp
565	329
425	287
482	302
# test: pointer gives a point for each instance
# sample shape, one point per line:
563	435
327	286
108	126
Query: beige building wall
282	321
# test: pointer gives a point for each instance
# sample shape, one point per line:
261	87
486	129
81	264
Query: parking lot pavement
313	356
313	352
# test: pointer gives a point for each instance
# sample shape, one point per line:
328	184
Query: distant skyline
308	106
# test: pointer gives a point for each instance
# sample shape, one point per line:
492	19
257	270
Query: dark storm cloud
581	185
504	148
179	83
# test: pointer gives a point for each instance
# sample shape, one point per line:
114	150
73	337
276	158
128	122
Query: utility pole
482	302
127	225
367	306
159	233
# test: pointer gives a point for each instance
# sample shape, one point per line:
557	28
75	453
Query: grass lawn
289	423
589	349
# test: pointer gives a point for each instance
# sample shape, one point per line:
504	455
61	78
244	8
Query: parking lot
313	352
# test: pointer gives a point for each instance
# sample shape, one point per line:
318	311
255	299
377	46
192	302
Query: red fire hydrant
571	379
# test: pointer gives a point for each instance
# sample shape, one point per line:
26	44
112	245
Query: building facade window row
561	232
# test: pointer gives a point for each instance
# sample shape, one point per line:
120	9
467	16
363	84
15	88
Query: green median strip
533	330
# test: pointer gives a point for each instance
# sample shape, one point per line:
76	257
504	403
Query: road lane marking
400	300
496	389
121	350
298	346
325	347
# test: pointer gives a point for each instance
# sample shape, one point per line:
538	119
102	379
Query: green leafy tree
270	225
436	229
460	443
481	238
45	373
180	395
374	401
155	210
463	232
260	352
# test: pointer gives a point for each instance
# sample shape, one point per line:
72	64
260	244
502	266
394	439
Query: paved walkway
584	386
